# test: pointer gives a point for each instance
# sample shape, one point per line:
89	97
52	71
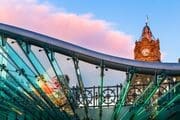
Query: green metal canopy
34	87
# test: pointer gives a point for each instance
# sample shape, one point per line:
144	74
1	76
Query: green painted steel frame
26	48
18	70
19	62
17	76
81	85
102	67
14	97
122	96
21	66
169	101
145	97
155	109
57	70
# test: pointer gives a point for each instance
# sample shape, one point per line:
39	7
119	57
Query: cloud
83	30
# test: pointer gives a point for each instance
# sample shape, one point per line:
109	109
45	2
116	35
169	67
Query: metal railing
111	94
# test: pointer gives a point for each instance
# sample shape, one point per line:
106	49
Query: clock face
145	52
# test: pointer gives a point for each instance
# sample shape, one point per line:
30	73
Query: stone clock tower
147	48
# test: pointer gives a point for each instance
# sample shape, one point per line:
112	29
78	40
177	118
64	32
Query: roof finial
147	19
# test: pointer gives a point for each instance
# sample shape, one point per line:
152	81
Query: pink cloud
83	30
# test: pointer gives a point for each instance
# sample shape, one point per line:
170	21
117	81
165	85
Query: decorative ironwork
111	94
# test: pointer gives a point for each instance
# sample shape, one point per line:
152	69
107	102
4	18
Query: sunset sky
108	26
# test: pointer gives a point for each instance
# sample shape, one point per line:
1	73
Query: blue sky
129	16
110	26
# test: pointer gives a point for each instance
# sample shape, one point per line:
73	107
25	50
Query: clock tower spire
147	47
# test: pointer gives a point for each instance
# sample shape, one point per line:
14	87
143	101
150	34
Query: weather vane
147	19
